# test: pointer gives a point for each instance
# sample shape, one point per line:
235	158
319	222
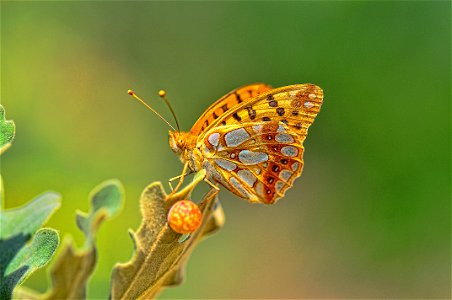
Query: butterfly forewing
226	103
294	105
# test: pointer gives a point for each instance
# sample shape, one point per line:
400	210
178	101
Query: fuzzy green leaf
37	254
160	254
73	268
8	249
30	217
7	131
27	259
105	203
17	227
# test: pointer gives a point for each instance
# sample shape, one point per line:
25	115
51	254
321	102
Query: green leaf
17	260
73	268
160	254
8	249
105	203
35	255
30	217
7	131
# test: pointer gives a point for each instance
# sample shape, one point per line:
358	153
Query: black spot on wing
251	112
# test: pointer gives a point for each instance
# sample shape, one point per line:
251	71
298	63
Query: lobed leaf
35	255
7	131
8	249
105	203
160	253
17	259
22	260
73	268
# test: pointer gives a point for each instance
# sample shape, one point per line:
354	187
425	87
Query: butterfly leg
216	188
185	193
172	179
180	177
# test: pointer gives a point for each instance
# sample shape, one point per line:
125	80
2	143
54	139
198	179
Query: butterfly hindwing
258	162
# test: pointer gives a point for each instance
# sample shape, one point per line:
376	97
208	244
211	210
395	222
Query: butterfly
251	140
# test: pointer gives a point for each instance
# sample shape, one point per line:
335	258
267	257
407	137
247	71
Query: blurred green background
369	218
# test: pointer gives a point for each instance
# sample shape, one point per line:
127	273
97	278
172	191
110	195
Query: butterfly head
177	142
184	145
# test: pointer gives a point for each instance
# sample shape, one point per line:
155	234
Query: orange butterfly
251	140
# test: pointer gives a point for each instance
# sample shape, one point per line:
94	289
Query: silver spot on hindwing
285	175
290	151
308	104
213	173
247	176
257	128
278	186
225	164
281	128
236	184
236	137
252	158
284	138
260	189
214	138
295	166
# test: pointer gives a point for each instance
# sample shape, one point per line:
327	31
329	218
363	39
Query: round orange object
184	217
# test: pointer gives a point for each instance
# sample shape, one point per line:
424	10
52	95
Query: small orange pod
184	217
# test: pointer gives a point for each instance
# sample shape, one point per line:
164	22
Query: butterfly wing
295	105
225	103
255	149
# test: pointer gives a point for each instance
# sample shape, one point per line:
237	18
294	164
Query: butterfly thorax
184	145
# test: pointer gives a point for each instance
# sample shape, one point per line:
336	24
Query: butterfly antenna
132	93
162	95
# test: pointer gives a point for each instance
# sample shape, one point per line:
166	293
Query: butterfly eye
173	143
184	217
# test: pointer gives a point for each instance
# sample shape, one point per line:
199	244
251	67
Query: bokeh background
369	218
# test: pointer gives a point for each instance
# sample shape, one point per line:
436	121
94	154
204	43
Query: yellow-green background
369	218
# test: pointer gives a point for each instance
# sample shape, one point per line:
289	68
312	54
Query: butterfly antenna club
162	94
135	96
